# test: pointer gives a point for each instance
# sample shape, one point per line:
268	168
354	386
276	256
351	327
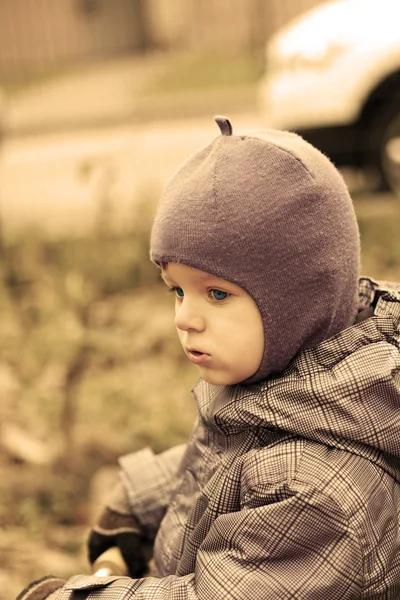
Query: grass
90	368
203	72
13	83
167	72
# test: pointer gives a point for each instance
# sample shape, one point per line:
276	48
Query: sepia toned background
100	101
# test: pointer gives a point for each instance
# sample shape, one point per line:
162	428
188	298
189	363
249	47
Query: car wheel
385	145
390	155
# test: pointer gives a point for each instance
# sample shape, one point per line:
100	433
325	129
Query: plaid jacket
287	489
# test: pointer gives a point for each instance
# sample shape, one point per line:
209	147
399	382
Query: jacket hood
344	393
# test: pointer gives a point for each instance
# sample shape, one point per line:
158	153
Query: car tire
384	145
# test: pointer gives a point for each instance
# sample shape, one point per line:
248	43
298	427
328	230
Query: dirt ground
29	554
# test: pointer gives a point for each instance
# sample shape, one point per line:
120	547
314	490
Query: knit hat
270	213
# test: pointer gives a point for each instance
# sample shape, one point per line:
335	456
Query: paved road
42	178
43	181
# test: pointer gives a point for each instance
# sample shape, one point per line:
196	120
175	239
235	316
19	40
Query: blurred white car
333	76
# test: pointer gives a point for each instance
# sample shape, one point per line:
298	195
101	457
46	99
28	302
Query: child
289	485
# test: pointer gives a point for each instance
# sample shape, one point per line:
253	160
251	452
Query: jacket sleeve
296	544
149	480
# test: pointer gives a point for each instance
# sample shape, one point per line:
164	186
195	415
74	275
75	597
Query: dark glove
42	589
117	526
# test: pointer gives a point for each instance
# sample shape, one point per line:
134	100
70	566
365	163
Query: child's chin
217	378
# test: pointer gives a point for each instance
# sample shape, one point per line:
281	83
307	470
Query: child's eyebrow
166	280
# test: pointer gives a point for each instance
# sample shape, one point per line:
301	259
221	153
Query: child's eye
218	294
179	293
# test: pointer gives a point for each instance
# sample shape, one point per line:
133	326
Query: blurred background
100	101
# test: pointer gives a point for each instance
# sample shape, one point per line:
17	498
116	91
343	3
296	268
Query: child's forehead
175	271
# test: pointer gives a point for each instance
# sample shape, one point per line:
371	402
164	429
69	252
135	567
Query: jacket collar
344	393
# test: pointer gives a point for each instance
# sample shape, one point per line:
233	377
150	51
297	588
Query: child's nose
187	317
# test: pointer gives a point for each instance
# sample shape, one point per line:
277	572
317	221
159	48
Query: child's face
218	323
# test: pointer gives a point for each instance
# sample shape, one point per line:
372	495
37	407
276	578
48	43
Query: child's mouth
196	357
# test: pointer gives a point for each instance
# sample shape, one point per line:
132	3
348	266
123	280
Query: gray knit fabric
270	213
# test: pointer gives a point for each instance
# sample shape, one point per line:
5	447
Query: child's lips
196	356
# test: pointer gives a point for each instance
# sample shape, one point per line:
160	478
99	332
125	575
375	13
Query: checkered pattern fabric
288	489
